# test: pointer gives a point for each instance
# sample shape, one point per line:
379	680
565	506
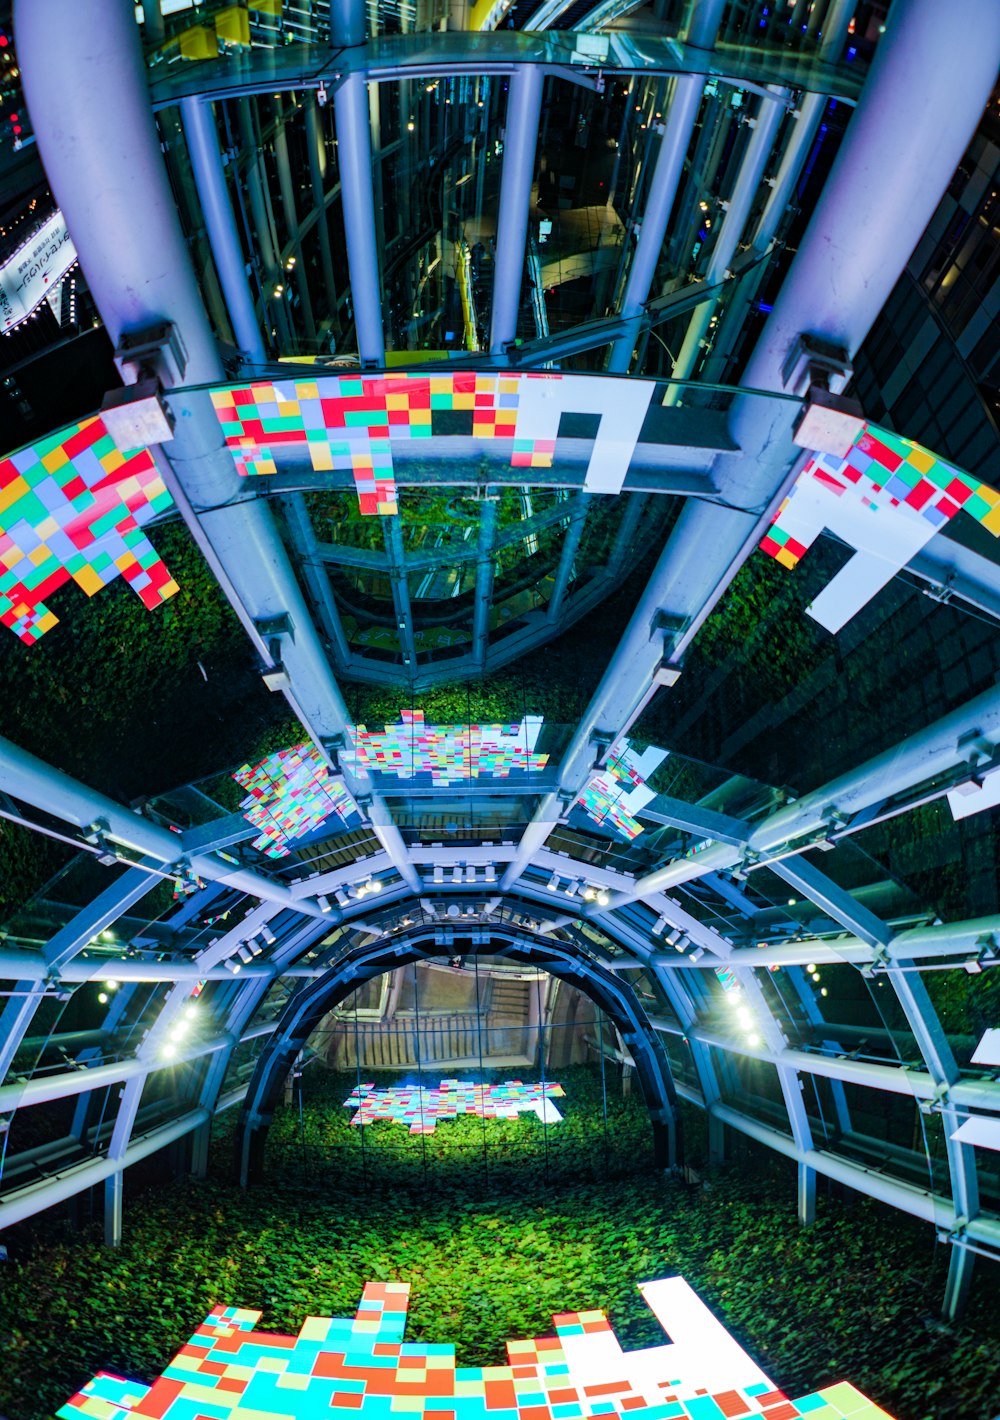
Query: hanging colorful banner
352	421
887	499
72	506
617	792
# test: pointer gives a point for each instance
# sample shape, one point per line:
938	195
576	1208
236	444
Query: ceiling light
753	1039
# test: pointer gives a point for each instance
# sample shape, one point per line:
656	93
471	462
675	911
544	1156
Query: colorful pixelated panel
73	506
350	422
886	499
617	792
362	1367
420	1108
290	793
450	754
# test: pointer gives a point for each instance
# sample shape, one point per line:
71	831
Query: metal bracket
815	361
156	351
280	625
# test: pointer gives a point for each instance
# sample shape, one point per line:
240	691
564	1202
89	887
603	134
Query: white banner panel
33	270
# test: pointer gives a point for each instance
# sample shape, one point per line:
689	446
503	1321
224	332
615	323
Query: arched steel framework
311	1003
107	173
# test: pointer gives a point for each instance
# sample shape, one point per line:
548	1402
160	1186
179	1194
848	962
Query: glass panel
437	151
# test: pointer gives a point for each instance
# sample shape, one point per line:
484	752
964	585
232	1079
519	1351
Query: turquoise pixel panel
420	1108
73	505
361	1366
289	794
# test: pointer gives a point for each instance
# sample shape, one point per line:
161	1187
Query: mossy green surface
854	1297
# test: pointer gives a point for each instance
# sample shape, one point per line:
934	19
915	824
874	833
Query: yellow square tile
39	555
992	521
225	1400
921	460
787	559
10	495
293	1382
112	460
273	1364
845	1398
183	1363
315	1328
397	401
56	459
288	408
441	384
321	456
411	1403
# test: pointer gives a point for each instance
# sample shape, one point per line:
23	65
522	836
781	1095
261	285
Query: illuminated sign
34	270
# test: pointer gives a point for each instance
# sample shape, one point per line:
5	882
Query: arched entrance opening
438	1055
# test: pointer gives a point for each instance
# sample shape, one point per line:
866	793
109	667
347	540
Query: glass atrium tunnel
464	356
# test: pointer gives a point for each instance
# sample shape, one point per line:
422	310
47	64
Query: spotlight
324	903
245	954
603	898
268	935
102	996
111	985
753	1039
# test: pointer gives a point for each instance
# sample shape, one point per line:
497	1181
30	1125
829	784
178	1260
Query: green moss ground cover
603	1133
855	1296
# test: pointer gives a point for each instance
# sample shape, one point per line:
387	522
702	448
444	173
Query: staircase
456	1040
